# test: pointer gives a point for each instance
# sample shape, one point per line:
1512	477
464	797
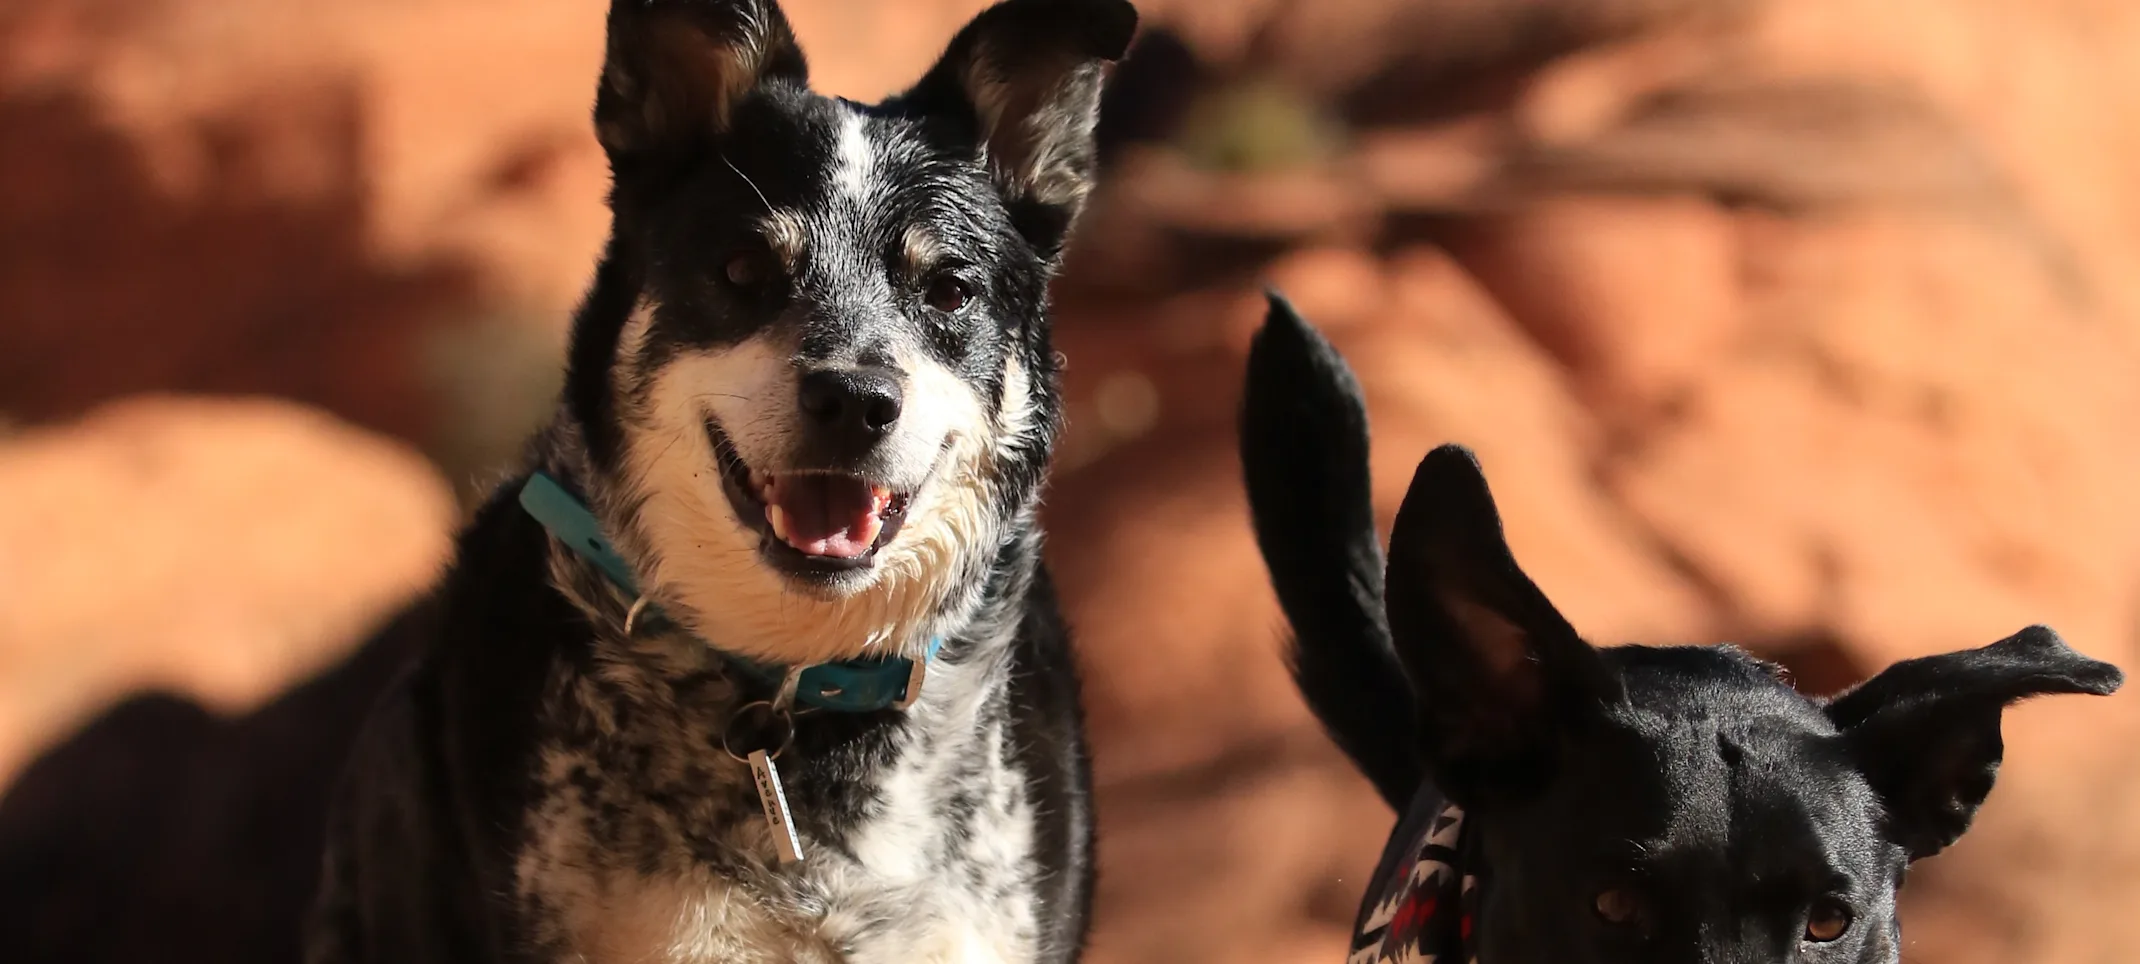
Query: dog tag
775	801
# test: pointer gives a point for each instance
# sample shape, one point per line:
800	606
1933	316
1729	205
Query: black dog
1565	804
759	662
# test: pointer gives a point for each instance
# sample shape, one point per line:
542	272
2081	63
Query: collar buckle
919	669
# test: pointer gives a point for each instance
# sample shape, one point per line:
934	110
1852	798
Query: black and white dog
1564	804
758	662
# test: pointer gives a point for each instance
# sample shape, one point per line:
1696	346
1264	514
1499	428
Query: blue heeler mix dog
757	662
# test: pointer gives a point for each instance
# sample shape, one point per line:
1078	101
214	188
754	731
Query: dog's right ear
1502	678
675	69
1304	456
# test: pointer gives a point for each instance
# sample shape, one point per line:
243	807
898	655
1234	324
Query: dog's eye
1618	905
1828	921
748	270
947	294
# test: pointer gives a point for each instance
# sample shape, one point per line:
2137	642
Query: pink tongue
829	515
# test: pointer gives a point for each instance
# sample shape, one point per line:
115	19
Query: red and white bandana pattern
1419	909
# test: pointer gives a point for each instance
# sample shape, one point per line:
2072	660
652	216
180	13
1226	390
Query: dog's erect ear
1502	679
1304	448
675	69
1027	74
1926	732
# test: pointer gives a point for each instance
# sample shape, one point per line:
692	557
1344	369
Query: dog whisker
746	179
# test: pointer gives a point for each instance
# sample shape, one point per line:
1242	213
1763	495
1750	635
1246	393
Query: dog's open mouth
812	521
834	516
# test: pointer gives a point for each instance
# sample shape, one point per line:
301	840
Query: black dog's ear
1027	75
1304	449
1502	679
675	69
1926	732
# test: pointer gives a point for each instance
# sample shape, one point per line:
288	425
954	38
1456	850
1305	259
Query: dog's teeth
881	496
779	521
871	529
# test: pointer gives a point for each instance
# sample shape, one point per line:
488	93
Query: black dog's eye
1828	921
947	293
748	270
1618	905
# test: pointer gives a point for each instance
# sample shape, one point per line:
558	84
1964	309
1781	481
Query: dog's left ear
1926	732
674	70
1027	75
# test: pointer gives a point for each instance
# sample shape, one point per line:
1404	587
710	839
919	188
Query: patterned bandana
1419	906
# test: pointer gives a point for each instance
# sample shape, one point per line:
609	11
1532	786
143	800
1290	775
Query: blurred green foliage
495	379
1257	125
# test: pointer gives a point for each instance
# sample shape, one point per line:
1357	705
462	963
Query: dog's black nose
856	405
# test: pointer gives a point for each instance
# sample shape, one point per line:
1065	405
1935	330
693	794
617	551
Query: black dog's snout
857	406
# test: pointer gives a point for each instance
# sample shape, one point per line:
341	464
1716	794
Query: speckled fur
543	786
645	842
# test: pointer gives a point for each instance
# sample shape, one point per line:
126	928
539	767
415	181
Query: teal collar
851	686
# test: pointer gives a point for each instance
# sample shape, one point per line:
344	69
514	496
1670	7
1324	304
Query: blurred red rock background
1806	324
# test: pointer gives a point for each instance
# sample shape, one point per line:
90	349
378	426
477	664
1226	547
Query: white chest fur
700	919
832	910
938	869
